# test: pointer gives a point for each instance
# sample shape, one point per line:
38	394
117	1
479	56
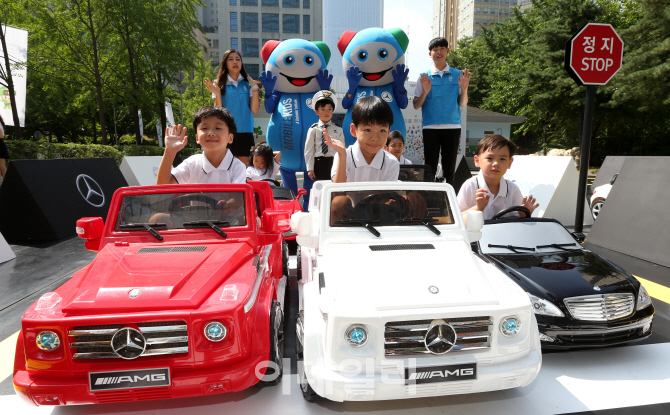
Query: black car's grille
94	342
600	307
407	337
604	338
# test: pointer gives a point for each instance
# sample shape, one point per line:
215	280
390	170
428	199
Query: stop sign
593	55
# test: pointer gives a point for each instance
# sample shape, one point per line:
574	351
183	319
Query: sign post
592	56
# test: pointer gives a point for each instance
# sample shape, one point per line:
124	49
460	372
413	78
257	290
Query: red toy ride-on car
185	298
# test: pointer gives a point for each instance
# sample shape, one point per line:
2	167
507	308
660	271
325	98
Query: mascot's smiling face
375	51
295	63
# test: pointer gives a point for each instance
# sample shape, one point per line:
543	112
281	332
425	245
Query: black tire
284	257
307	392
273	377
595	209
298	253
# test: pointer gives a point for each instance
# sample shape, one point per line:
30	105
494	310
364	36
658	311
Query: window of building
305	4
264	41
249	48
234	44
249	22
233	2
249	2
271	22
291	23
270	3
252	70
305	24
233	21
293	4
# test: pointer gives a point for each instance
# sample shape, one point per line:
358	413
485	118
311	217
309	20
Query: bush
19	150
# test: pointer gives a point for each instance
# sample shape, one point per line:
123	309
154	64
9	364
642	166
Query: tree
74	35
6	10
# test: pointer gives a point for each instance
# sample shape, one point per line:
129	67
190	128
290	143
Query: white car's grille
600	307
407	337
94	342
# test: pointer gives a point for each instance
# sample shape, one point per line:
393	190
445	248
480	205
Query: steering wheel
511	209
178	202
367	208
273	181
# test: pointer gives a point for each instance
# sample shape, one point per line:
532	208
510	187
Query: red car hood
167	280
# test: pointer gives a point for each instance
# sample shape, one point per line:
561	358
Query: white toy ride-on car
394	304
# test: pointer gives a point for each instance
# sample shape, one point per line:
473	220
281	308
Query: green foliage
518	69
19	150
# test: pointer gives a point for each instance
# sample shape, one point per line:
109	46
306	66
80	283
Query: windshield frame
251	208
382	187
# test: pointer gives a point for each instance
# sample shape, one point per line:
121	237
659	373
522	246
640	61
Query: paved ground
631	379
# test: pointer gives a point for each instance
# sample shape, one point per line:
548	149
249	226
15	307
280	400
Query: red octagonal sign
593	55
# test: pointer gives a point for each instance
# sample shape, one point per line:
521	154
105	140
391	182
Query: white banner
160	133
17	50
168	114
139	114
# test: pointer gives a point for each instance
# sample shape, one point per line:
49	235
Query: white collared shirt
197	169
254	174
508	195
403	160
418	90
234	82
384	167
314	139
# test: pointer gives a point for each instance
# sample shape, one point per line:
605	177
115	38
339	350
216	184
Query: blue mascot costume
295	70
374	61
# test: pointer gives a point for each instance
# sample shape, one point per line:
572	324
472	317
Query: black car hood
565	274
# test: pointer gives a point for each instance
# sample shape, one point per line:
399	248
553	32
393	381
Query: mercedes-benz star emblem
596	288
90	190
440	338
128	343
433	289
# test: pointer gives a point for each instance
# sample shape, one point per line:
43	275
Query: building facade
445	20
342	15
473	14
245	25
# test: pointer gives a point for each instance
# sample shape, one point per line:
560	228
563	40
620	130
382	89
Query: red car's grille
94	342
132	395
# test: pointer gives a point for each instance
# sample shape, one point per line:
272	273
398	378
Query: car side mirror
613	179
579	237
475	225
91	229
301	225
301	192
275	221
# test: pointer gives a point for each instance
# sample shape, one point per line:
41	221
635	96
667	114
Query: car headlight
356	335
643	300
47	340
215	331
544	307
510	326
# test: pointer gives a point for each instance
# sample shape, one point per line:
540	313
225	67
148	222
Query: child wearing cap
318	156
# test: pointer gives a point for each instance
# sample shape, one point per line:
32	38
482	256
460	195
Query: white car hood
357	277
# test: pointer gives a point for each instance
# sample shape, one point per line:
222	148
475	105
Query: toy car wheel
595	209
307	392
274	372
299	265
284	257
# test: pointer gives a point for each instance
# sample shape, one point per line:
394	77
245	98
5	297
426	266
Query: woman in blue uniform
235	90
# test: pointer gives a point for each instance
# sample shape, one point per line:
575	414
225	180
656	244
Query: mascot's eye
383	54
309	61
363	55
289	59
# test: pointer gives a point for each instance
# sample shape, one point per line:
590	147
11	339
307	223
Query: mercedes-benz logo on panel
128	343
440	338
90	190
